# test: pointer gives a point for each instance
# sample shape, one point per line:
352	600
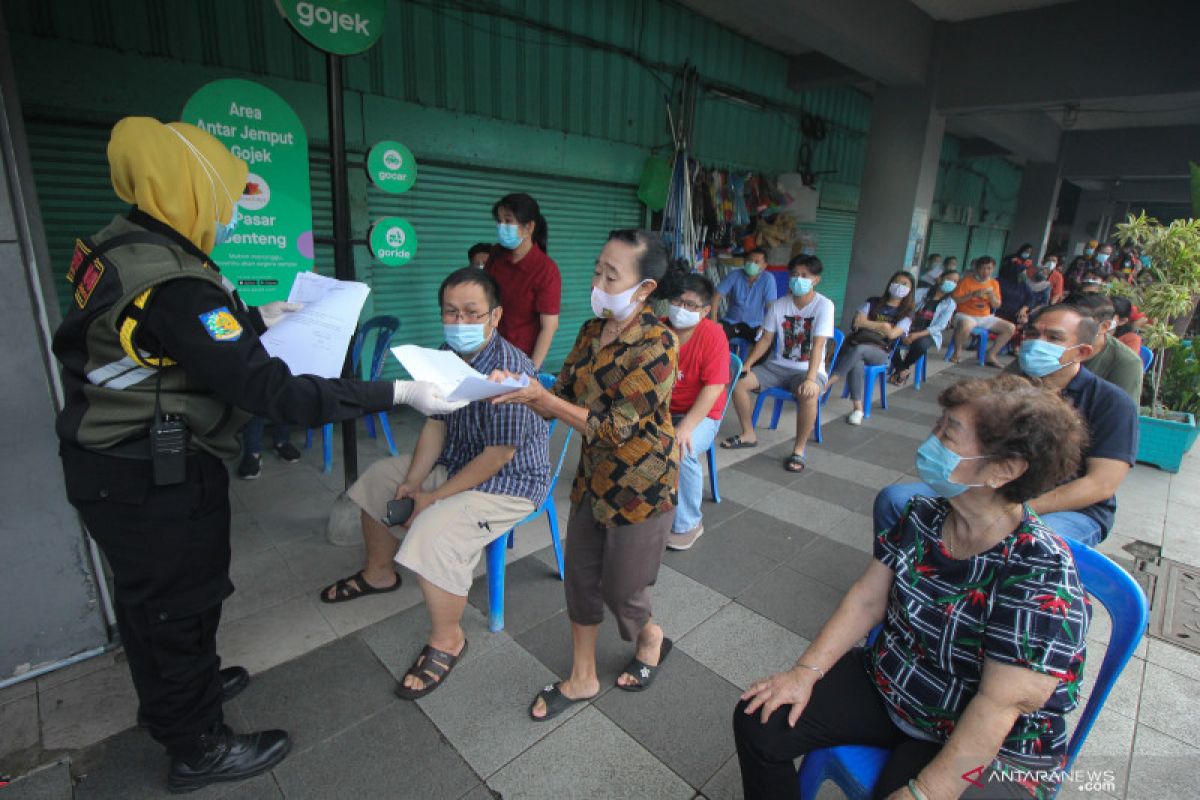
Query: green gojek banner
273	240
342	27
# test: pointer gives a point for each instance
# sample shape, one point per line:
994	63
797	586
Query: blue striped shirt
482	424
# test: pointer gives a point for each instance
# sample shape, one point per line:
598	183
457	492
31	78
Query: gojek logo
392	159
391	167
393	241
343	27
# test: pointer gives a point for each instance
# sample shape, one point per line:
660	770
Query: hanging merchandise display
391	167
393	241
273	239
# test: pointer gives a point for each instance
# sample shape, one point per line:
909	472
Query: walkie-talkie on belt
168	441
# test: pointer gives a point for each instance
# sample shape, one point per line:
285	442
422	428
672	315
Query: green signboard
343	27
393	241
391	167
273	239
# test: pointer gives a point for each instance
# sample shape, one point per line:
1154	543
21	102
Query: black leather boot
222	755
233	681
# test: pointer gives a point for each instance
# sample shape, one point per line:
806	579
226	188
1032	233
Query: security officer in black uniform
161	363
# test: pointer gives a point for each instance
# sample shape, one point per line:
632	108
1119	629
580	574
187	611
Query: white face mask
214	177
899	290
682	318
614	306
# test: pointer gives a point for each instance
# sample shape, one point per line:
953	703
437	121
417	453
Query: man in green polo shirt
1111	360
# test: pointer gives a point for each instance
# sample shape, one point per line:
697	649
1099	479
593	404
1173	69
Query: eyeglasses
451	315
689	306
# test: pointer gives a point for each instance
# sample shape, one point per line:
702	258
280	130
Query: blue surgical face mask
1039	358
464	337
1087	251
949	286
808	251
1146	262
1026	254
800	286
1102	258
508	236
936	463
225	231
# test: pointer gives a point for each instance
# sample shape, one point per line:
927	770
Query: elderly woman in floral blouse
615	389
983	618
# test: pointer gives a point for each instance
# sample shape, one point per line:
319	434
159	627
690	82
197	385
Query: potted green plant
1167	292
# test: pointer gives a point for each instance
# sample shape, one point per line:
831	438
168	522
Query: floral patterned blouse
628	462
1019	603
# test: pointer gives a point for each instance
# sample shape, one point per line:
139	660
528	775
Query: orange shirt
975	306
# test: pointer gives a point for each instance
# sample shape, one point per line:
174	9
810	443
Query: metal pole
343	263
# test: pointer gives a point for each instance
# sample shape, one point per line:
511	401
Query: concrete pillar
897	188
1093	219
1036	206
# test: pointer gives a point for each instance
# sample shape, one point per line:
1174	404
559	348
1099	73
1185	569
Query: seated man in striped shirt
474	474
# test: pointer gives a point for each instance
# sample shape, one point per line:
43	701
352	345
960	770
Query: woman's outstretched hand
793	688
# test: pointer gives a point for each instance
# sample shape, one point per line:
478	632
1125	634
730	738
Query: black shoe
223	755
251	466
288	452
233	680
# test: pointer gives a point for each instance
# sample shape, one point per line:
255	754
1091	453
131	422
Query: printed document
314	340
455	377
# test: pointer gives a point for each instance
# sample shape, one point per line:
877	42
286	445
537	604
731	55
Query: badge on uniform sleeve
221	325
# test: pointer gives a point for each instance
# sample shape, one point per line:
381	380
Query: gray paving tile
616	767
1174	658
764	534
1108	747
270	636
19	724
261	579
884	420
533	592
483	710
887	450
48	783
853	530
397	640
848	494
90	708
813	513
679	603
747	488
481	792
550	643
721	562
319	694
718	514
742	646
1162	766
768	467
683	719
795	601
1126	693
132	766
726	784
395	753
1171	702
831	562
852	469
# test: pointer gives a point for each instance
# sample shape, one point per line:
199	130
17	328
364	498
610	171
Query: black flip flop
345	591
645	673
431	667
795	459
736	443
556	702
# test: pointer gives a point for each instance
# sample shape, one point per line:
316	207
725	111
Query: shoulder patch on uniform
221	325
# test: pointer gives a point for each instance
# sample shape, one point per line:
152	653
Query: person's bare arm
545	338
479	469
861	321
1100	482
715	314
705	399
429	446
759	349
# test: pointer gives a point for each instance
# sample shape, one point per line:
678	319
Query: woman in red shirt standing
698	399
530	284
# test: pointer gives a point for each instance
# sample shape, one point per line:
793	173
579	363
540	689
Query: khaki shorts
773	376
991	321
444	543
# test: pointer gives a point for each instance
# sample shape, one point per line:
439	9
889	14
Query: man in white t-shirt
799	324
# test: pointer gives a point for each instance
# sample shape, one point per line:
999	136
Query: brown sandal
431	668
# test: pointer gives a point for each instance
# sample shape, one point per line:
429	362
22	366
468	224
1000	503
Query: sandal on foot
431	668
736	443
794	463
556	702
354	587
644	673
993	364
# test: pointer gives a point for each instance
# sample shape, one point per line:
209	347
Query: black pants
845	708
918	348
741	330
168	548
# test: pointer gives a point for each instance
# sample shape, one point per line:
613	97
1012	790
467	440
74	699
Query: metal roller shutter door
949	239
986	242
450	206
835	239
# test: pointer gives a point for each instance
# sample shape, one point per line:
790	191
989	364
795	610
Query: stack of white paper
314	340
455	377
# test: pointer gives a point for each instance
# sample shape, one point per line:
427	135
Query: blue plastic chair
780	396
919	375
984	335
495	550
385	328
735	374
782	277
740	347
1147	357
871	376
856	768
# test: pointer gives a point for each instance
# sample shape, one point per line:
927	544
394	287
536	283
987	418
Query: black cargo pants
168	548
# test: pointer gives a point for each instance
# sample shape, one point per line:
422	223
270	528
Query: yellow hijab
178	174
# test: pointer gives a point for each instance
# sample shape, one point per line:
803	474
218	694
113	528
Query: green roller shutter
948	239
835	238
450	206
986	242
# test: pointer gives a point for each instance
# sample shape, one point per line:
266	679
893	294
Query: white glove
273	312
425	397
